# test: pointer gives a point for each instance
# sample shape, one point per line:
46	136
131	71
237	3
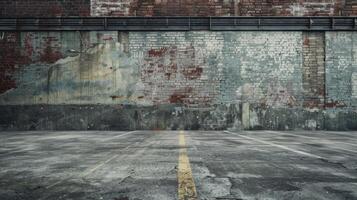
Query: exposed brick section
44	8
184	7
290	7
110	7
350	7
163	7
9	53
222	7
314	69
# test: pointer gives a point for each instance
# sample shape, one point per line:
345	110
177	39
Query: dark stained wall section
350	7
44	8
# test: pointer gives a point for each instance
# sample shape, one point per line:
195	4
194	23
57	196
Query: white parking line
277	145
309	137
122	135
326	140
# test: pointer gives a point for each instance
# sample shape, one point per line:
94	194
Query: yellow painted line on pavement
186	184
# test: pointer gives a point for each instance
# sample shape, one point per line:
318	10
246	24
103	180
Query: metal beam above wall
180	24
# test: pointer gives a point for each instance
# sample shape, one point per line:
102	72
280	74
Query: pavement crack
173	170
125	179
335	163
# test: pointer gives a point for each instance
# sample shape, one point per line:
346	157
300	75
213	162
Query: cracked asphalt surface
142	165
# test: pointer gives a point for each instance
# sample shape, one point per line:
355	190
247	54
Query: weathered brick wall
262	68
206	68
289	8
110	8
283	69
223	7
341	80
177	7
163	7
275	80
166	80
196	69
44	8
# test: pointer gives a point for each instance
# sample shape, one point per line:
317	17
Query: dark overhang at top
179	24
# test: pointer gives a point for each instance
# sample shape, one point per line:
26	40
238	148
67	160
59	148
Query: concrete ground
143	165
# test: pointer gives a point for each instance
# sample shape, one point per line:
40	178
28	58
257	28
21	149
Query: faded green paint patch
341	64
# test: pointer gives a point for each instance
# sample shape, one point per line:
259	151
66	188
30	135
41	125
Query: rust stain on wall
51	53
193	72
177	98
116	97
29	50
157	52
335	104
